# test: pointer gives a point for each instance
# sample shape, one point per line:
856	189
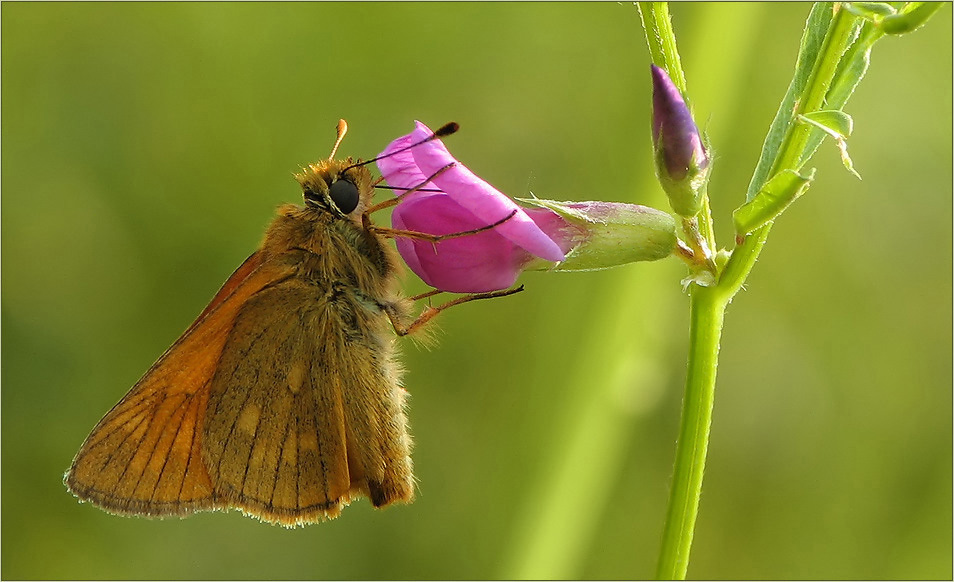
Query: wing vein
183	406
278	463
248	395
149	426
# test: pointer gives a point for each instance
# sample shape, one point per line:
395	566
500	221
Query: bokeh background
145	147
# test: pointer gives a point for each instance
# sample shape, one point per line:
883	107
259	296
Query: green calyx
608	234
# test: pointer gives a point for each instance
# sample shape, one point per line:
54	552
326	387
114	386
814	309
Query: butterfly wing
144	456
305	413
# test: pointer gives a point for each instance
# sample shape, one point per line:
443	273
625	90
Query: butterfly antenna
342	130
443	131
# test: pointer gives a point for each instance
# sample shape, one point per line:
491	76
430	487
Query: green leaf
912	17
873	11
892	21
851	70
853	66
771	200
812	40
838	125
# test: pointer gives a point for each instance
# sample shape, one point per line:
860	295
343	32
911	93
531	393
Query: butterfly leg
403	328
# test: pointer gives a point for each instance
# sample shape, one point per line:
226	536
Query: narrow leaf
873	11
812	39
838	125
853	66
912	17
771	200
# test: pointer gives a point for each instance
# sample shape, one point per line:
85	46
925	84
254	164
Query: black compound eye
345	195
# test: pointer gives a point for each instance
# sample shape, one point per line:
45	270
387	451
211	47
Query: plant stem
706	312
707	309
707	304
791	152
662	41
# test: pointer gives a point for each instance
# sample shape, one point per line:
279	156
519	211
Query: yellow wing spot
248	420
308	441
296	376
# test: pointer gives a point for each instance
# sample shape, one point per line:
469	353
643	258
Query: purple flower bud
682	163
533	238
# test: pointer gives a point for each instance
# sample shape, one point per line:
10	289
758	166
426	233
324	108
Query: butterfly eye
345	195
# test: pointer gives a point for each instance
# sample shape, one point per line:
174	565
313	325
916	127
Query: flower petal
681	142
480	198
682	163
475	263
399	169
557	228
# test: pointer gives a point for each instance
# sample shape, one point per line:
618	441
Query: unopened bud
682	163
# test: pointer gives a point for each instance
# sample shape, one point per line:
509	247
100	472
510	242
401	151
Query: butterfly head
336	186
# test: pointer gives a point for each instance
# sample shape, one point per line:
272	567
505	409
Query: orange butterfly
283	398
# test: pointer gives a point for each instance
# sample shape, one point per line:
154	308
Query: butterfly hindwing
293	432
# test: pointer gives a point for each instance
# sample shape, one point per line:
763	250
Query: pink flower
554	235
486	261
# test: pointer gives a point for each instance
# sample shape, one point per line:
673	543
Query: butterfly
283	399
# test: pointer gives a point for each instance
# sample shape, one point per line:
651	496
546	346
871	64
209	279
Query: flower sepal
601	235
686	191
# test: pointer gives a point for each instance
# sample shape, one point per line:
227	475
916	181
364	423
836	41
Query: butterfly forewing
144	456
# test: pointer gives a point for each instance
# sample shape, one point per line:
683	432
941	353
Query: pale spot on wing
257	462
296	375
248	419
308	441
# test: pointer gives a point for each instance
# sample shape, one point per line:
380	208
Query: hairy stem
707	309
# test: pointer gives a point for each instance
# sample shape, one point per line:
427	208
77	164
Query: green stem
707	304
705	223
706	312
741	262
662	41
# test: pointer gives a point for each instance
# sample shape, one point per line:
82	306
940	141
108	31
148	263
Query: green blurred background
145	147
